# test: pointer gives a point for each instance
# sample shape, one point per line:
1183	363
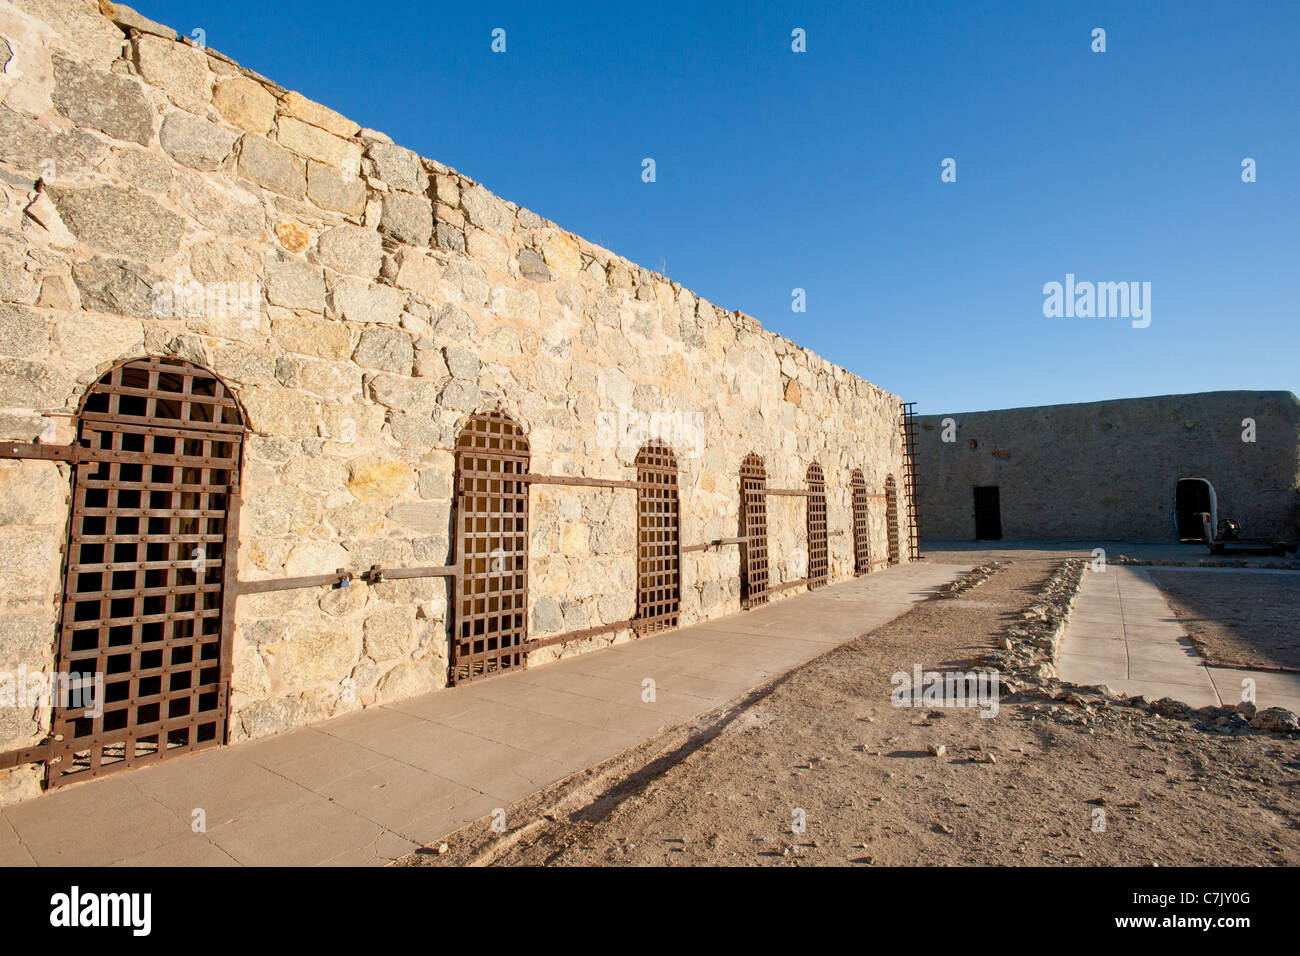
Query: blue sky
821	170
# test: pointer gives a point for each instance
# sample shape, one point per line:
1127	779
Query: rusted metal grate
911	481
861	536
753	515
658	559
891	518
491	600
818	562
149	570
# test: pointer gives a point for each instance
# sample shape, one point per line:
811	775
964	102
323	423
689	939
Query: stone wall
361	302
1107	470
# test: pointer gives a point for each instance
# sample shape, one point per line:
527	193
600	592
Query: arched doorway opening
861	537
658	554
753	531
1192	497
491	594
149	571
818	563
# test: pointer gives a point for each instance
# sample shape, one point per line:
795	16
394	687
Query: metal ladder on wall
911	486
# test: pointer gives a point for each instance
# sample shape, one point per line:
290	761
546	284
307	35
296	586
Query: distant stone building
294	421
1129	469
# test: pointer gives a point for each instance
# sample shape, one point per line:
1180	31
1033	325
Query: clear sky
821	170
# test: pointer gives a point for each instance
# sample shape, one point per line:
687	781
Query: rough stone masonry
1109	471
361	302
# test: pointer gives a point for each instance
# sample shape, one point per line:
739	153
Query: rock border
969	579
1026	662
1273	564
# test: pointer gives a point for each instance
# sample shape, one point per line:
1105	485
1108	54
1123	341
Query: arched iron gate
861	528
149	569
491	595
658	555
818	561
753	514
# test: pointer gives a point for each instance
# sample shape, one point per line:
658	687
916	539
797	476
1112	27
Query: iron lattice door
891	518
149	570
861	538
818	562
491	622
753	513
658	556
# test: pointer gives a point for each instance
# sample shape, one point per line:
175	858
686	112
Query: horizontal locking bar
339	579
715	543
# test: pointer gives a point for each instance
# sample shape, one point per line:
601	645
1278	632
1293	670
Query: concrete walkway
1123	633
372	786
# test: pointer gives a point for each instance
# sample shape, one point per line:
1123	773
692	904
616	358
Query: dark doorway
988	513
1192	496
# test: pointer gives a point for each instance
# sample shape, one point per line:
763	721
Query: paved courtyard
1123	633
372	786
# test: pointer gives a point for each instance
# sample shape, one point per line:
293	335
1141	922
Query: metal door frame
659	542
753	516
818	558
891	519
141	416
861	524
489	618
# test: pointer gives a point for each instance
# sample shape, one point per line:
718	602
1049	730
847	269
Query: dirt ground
1110	785
1238	618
